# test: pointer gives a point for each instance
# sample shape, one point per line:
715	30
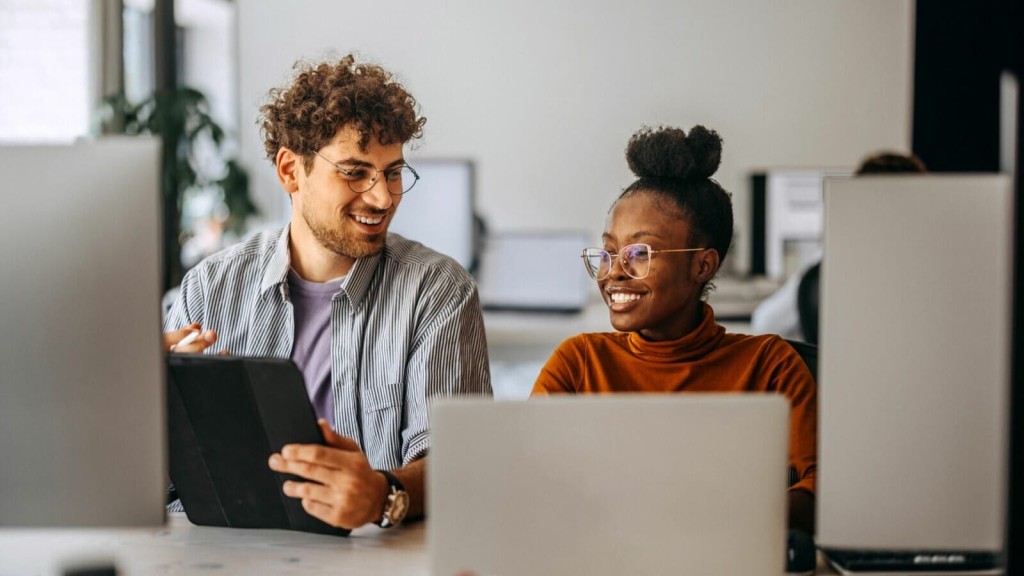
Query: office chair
807	303
809	354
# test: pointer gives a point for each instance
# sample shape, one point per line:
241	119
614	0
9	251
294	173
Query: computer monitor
82	424
786	219
914	363
549	259
439	211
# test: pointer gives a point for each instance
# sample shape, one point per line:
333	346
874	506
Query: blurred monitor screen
787	217
438	211
535	271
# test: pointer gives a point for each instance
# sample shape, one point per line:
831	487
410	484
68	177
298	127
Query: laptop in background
914	373
623	484
82	417
534	272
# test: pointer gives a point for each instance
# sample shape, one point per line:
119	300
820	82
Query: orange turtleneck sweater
705	360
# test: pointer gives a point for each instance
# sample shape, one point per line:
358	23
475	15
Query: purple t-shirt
311	304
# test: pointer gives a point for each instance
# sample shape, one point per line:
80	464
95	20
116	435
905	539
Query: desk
181	548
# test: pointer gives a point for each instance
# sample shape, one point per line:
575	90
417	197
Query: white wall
545	94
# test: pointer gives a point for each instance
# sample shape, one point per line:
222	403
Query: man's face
348	223
661	305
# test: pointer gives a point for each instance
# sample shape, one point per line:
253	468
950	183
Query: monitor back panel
653	484
82	422
914	362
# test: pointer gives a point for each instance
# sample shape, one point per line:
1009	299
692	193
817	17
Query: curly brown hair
322	99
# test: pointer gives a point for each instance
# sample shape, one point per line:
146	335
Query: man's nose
378	195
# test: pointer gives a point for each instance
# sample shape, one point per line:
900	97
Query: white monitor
787	219
914	362
82	426
439	211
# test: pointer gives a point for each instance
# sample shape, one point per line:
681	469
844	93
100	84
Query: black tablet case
226	416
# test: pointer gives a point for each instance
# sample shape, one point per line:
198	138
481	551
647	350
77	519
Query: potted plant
193	159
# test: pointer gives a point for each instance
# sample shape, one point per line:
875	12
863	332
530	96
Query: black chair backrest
809	354
807	297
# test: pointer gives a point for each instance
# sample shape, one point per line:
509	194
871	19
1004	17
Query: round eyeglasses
361	177
635	260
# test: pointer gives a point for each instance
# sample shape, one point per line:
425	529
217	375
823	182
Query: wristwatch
397	504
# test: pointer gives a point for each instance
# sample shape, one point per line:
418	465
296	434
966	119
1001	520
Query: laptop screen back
652	484
81	368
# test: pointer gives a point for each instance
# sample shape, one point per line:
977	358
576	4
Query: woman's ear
288	164
706	265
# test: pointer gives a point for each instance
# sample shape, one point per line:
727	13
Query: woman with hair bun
664	240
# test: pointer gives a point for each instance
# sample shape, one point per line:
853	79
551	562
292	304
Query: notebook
227	415
623	484
914	373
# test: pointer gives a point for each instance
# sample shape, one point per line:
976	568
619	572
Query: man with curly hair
378	324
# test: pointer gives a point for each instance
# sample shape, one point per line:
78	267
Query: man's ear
288	164
706	265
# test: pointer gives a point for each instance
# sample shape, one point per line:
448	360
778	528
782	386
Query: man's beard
336	240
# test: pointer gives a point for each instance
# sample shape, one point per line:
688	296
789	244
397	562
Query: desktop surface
182	548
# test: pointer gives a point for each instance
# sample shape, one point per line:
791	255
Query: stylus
192	336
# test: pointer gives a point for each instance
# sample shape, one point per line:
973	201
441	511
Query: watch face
398	507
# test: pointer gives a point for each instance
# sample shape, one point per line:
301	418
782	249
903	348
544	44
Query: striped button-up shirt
406	327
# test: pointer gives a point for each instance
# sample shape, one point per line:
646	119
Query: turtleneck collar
692	346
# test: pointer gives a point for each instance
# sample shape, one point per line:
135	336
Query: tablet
226	416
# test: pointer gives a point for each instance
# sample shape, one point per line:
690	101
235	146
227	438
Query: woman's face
666	304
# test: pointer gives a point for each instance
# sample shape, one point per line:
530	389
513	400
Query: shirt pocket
383	396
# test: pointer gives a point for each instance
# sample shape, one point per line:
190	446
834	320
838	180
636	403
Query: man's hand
344	491
183	341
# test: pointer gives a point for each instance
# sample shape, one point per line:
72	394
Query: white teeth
368	220
618	297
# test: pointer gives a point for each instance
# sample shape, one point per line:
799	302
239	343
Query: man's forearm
413	477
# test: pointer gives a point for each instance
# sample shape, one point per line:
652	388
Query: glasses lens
360	179
401	180
597	263
637	260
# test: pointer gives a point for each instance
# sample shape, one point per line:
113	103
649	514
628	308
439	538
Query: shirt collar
355	286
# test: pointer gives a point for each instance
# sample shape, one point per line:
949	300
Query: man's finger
319	510
174	336
310	490
202	341
336	440
306	470
322	455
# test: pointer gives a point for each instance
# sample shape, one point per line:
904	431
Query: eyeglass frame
373	179
617	257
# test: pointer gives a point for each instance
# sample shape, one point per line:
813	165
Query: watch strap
394	487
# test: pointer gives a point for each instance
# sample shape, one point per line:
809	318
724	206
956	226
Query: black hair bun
672	153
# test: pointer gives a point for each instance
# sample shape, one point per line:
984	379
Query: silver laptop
623	484
82	422
914	372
